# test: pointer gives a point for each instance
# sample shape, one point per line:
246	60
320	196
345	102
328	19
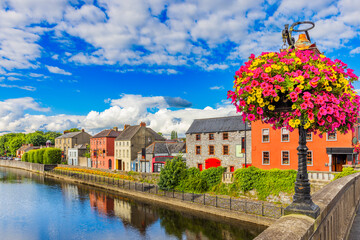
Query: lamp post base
308	209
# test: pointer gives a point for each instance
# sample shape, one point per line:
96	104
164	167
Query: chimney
126	126
83	130
142	124
115	129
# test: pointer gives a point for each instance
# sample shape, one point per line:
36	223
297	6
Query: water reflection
83	212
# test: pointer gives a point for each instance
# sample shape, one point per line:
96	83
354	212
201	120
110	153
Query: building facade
75	153
157	154
213	142
130	142
70	139
278	149
102	148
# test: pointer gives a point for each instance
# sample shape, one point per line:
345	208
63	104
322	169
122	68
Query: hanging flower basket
290	88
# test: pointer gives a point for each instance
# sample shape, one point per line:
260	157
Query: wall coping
301	227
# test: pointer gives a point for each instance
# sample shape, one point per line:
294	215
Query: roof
221	124
130	132
166	148
31	148
69	135
108	133
23	147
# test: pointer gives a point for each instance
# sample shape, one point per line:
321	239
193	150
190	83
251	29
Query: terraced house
223	141
70	139
102	148
130	142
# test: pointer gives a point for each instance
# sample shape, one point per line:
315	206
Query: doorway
338	160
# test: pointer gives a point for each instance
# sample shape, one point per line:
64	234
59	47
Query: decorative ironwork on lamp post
302	202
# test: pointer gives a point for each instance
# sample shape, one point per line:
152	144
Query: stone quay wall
36	167
338	202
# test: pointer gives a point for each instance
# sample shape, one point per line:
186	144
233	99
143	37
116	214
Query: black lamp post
302	202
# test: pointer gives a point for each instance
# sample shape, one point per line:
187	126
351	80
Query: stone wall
338	202
193	160
27	166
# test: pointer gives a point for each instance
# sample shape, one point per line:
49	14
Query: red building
278	149
102	148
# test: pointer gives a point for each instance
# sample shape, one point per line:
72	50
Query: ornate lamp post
297	87
302	202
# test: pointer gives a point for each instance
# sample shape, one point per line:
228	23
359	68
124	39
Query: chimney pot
126	126
142	124
83	130
115	129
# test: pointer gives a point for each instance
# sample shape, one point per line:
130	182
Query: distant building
76	154
223	141
102	148
70	139
130	142
278	149
157	154
25	148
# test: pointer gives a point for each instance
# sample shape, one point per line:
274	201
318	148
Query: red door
231	168
200	167
212	162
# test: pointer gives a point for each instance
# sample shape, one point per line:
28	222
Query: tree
160	133
25	157
52	156
15	143
174	135
73	130
36	138
51	136
172	173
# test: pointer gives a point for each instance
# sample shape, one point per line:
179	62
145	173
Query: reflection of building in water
122	209
225	235
70	191
103	203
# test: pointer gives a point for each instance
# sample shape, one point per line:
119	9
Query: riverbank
177	204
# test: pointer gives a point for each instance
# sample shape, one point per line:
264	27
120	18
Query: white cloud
217	87
57	70
129	109
355	50
28	88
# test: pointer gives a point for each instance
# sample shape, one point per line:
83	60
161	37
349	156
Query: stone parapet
338	202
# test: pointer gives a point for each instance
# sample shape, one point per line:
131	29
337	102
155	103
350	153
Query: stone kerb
338	202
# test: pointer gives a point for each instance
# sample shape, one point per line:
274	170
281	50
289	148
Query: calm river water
34	207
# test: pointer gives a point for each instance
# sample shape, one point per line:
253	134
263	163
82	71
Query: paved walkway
355	229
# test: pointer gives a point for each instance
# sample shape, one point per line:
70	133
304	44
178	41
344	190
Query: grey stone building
213	142
70	139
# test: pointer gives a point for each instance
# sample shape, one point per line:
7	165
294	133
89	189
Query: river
35	207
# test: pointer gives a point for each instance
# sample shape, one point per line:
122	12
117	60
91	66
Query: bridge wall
338	202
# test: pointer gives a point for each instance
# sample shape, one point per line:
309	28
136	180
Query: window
225	149
331	136
158	167
211	150
225	136
285	135
211	136
285	158
309	158
309	137
243	146
197	150
265	135
197	137
266	158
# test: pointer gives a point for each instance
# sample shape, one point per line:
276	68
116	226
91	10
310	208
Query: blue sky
99	64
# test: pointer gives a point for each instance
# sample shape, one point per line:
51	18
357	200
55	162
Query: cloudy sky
105	63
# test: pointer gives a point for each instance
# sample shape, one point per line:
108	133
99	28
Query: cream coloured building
130	142
70	139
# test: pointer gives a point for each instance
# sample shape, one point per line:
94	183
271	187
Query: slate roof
166	148
108	133
31	148
23	147
221	124
80	146
130	131
68	135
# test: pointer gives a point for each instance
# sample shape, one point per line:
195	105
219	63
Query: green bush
52	156
212	176
40	155
172	173
345	172
31	156
265	182
25	157
193	181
